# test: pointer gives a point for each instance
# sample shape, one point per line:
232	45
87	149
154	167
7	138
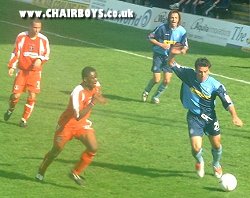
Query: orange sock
28	108
85	161
12	102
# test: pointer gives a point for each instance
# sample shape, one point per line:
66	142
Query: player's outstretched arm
235	119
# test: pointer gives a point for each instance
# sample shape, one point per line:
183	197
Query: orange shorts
27	80
67	133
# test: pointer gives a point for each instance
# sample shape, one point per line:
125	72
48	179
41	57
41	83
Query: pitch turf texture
144	149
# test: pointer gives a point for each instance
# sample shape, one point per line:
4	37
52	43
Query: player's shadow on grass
137	170
149	172
149	119
111	97
19	176
9	123
241	133
120	98
213	189
241	67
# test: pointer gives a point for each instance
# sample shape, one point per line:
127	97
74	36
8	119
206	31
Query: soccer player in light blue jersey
163	38
198	93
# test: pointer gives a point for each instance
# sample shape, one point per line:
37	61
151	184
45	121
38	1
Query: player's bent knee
196	149
15	96
157	81
88	155
92	150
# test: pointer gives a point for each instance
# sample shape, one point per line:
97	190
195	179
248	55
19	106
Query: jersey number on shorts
38	84
216	126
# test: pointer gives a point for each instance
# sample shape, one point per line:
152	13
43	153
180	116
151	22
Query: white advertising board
81	1
208	30
199	28
142	17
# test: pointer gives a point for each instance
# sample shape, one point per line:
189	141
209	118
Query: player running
198	93
74	123
163	38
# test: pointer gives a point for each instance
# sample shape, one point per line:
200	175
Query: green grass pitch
144	149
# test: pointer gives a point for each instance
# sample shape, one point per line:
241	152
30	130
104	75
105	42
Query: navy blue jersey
164	34
199	97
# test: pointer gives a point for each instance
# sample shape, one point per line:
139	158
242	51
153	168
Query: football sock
28	108
160	90
217	153
84	162
12	102
198	156
150	85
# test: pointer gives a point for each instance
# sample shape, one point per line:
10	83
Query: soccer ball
228	182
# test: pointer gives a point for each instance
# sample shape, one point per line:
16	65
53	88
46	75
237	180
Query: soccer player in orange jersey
30	53
74	123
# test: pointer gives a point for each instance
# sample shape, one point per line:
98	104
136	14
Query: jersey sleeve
183	72
77	96
224	97
156	34
184	40
16	52
44	48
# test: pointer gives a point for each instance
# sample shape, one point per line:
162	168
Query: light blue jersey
199	97
164	34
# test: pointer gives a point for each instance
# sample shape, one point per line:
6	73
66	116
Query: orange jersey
27	50
79	99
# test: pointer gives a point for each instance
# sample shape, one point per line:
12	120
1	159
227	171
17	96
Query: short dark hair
35	20
87	70
202	62
170	14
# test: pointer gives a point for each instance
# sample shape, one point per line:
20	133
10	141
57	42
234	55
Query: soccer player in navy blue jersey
198	93
163	38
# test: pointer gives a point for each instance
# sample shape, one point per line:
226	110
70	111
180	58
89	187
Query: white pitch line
117	50
229	78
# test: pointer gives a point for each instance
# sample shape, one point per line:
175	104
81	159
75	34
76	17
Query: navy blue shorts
160	64
198	125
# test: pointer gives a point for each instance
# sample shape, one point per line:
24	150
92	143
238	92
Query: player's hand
237	121
11	71
165	46
171	62
178	48
37	64
98	98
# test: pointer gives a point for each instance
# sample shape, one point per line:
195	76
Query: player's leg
28	108
163	86
213	131
167	74
216	153
156	69
33	87
14	98
195	129
196	144
87	137
62	136
18	88
89	140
